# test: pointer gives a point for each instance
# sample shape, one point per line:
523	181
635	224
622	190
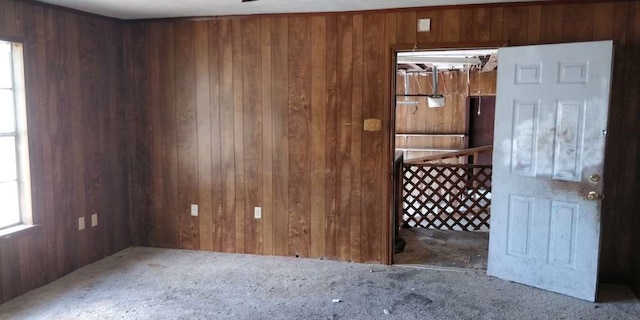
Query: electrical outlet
81	223
194	210
372	124
257	212
94	220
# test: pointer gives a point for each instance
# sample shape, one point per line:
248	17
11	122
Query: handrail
466	152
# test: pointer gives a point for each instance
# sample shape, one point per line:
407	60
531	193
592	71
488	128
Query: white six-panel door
550	127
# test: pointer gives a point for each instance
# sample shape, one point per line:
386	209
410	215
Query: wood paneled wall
267	111
259	111
456	86
420	119
77	126
262	112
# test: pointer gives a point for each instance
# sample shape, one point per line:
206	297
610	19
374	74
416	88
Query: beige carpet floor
146	283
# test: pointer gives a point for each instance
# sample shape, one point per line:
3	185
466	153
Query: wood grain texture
318	135
137	120
357	100
218	227
253	134
331	206
238	134
373	164
280	118
451	29
186	133
344	167
424	120
632	122
267	136
299	135
292	93
226	74
279	125
204	136
79	162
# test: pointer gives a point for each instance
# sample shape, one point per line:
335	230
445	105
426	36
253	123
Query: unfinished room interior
283	159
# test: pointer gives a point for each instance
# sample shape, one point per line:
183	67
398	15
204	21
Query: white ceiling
145	9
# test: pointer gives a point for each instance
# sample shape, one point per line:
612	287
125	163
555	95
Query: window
15	198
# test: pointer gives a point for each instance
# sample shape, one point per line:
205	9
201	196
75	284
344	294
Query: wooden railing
473	152
444	195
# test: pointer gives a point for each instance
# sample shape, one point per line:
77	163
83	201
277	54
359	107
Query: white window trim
21	138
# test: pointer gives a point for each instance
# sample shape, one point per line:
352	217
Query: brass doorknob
594	196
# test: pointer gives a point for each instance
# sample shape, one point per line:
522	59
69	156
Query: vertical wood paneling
238	134
318	135
186	134
373	105
407	27
388	144
534	26
356	138
267	142
551	30
236	113
218	225
515	25
331	205
159	234
10	19
603	21
204	134
90	69
114	227
633	123
466	24
577	22
344	174
73	62
481	24
252	104
140	151
497	24
451	28
169	138
299	135
280	121
225	36
287	98
60	131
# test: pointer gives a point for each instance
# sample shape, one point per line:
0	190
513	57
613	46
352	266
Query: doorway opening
444	112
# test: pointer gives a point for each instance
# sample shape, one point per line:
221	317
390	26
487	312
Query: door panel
551	116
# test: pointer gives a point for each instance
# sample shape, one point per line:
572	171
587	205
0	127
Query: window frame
20	135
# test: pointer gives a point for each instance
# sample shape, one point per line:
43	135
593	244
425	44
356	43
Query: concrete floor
146	283
444	248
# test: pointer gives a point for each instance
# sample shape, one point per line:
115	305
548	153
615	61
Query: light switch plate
94	220
81	223
257	212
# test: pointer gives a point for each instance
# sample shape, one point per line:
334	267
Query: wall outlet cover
194	210
372	124
257	212
81	223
